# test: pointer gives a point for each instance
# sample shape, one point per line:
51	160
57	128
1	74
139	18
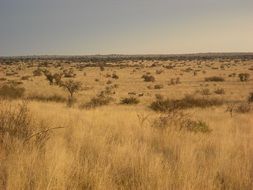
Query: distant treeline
120	58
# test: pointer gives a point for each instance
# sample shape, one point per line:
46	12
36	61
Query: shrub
219	91
11	91
205	92
53	98
115	76
148	78
244	77
165	105
196	126
97	102
37	72
250	98
129	100
244	107
158	86
103	98
25	77
14	121
179	121
214	79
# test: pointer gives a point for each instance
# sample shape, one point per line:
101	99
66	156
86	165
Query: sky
86	27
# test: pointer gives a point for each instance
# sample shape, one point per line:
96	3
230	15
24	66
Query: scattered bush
214	79
129	100
11	92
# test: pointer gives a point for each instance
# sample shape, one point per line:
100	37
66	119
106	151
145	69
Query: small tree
72	87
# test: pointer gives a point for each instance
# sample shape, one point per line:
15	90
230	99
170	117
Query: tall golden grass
112	148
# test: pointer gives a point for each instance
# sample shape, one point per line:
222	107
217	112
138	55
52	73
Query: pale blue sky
81	27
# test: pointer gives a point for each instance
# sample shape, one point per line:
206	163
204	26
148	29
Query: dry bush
102	99
244	77
219	91
177	120
244	107
250	97
14	121
37	72
115	76
11	91
214	79
188	101
158	86
129	100
148	78
52	98
205	91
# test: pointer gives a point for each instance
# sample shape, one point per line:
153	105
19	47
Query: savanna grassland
127	122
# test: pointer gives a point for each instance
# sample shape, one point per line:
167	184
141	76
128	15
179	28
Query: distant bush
244	77
25	77
164	105
214	79
97	102
148	78
11	91
102	99
158	86
205	91
219	91
250	98
129	100
37	72
244	107
115	76
177	120
53	98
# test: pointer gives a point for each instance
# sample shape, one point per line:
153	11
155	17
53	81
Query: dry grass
108	149
46	145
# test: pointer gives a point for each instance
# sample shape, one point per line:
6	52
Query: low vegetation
188	101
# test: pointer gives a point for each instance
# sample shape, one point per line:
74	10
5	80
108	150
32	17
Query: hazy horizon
61	27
